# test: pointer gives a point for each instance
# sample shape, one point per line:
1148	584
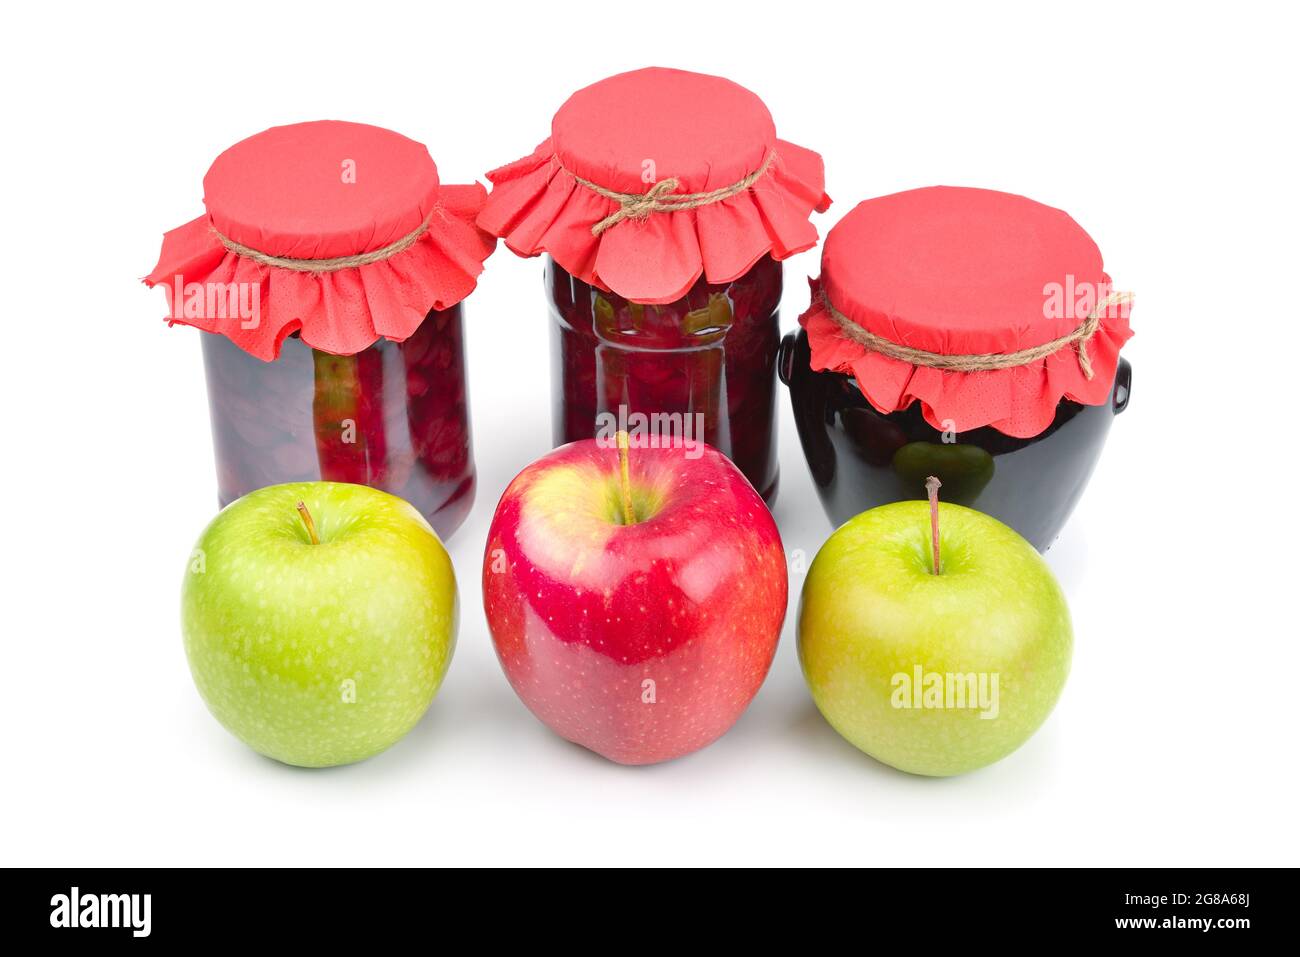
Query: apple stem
307	520
932	485
625	478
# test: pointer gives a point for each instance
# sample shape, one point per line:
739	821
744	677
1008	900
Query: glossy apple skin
275	625
871	608
584	611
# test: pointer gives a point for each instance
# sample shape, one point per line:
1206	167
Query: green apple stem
625	479
932	485
307	520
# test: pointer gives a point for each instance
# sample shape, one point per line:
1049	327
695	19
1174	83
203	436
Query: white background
1166	132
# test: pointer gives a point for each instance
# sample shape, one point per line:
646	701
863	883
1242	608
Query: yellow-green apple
933	637
319	619
635	600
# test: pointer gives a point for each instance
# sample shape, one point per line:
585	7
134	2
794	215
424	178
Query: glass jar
664	203
328	293
711	355
394	416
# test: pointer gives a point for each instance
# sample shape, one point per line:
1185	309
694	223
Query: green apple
934	674
319	619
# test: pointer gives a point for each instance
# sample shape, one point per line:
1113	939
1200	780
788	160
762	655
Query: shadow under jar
393	416
860	457
711	355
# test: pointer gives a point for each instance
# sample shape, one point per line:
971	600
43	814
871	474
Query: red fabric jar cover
966	272
287	192
631	131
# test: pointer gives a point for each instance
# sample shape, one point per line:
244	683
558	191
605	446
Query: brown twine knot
663	197
326	265
988	361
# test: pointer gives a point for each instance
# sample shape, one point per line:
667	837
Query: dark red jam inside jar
710	355
393	416
664	203
327	276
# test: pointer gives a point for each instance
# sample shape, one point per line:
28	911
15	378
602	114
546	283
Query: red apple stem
307	520
932	485
625	478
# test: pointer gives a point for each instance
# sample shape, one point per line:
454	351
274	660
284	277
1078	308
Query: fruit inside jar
394	416
711	353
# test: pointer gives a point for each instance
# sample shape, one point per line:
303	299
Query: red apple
642	640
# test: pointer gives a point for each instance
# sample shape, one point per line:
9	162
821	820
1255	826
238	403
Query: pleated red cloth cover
318	191
960	271
630	131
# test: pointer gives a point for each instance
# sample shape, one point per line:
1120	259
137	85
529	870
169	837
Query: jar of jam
664	204
962	333
327	276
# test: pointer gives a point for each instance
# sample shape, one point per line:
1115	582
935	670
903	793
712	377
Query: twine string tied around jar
333	264
663	197
989	361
